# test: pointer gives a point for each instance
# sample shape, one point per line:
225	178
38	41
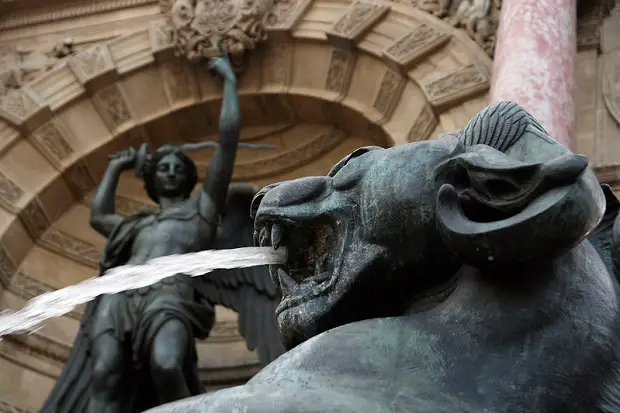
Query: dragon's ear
496	208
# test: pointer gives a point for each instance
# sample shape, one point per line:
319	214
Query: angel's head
169	173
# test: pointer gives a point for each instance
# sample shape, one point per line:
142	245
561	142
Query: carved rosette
200	26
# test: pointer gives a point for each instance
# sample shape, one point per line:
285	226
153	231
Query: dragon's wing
248	291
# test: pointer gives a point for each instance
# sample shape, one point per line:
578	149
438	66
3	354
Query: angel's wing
248	291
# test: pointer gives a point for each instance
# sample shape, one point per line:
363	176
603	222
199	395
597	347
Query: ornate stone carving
113	104
611	84
162	36
479	18
92	63
389	92
359	17
19	66
69	11
18	106
7	267
9	191
51	140
340	67
423	126
79	178
34	219
461	83
411	48
70	247
200	26
285	14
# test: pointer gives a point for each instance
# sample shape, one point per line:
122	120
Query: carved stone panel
356	21
162	37
10	192
71	247
389	92
451	88
285	15
341	66
79	179
34	219
7	267
423	126
92	64
112	106
51	142
406	52
19	106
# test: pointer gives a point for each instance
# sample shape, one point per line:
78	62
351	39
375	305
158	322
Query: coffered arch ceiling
332	77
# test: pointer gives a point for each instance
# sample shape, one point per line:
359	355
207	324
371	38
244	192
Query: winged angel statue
135	350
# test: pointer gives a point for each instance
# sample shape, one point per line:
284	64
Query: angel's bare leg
168	361
108	368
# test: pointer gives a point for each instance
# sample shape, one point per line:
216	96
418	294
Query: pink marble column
535	62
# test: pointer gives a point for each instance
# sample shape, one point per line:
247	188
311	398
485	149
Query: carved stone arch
333	76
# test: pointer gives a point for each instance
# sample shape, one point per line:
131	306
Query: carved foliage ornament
200	26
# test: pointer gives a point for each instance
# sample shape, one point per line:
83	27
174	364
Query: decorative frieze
356	21
340	69
71	247
389	92
34	218
424	125
112	106
92	64
285	15
455	86
410	49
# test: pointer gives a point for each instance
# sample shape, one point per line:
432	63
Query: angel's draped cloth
134	316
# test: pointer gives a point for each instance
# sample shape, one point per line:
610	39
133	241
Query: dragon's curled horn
143	154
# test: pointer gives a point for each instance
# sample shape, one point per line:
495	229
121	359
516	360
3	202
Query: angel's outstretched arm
219	172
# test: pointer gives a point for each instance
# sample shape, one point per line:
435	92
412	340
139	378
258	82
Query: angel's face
170	176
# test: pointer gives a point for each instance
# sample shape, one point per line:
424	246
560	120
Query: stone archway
331	78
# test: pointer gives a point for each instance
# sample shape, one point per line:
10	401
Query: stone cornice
86	8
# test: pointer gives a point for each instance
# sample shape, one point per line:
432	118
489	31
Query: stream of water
128	277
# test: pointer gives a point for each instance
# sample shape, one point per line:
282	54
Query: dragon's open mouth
310	265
